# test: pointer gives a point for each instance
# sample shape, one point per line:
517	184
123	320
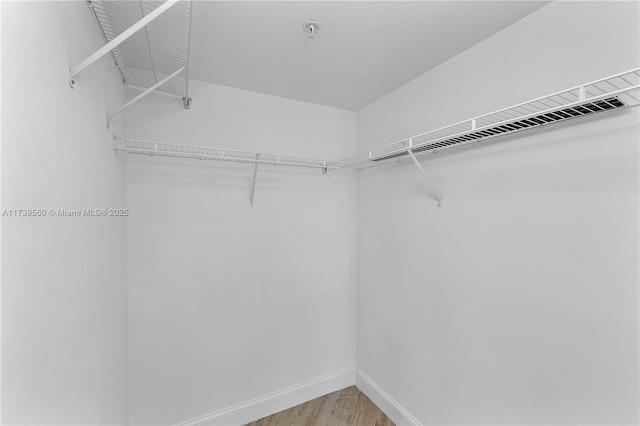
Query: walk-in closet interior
214	211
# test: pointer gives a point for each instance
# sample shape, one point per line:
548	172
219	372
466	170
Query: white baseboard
272	403
396	412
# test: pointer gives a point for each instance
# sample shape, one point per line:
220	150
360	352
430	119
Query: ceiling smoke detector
311	27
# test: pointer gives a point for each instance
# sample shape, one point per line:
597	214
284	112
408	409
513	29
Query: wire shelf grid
162	149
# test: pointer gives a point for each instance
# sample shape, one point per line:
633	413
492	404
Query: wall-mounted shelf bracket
253	184
142	95
118	40
424	175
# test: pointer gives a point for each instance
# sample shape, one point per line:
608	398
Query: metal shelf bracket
142	95
253	184
424	175
118	40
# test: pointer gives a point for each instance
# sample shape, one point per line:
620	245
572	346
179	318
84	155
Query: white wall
227	303
64	355
517	301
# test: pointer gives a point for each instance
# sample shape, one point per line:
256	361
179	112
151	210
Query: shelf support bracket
425	177
253	184
142	95
118	40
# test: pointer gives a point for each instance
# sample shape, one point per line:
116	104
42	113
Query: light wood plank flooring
345	407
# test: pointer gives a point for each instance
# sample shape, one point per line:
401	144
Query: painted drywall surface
517	301
63	278
228	303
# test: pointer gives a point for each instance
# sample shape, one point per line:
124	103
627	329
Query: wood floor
345	407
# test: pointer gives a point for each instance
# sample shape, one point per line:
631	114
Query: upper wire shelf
154	52
161	149
607	94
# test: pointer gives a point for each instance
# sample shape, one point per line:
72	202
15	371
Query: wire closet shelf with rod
613	93
149	41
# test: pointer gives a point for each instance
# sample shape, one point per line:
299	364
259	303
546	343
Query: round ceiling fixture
311	27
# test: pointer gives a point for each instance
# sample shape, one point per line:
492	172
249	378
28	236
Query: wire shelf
608	94
154	52
161	149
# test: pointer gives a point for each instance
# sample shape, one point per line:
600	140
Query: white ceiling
364	49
